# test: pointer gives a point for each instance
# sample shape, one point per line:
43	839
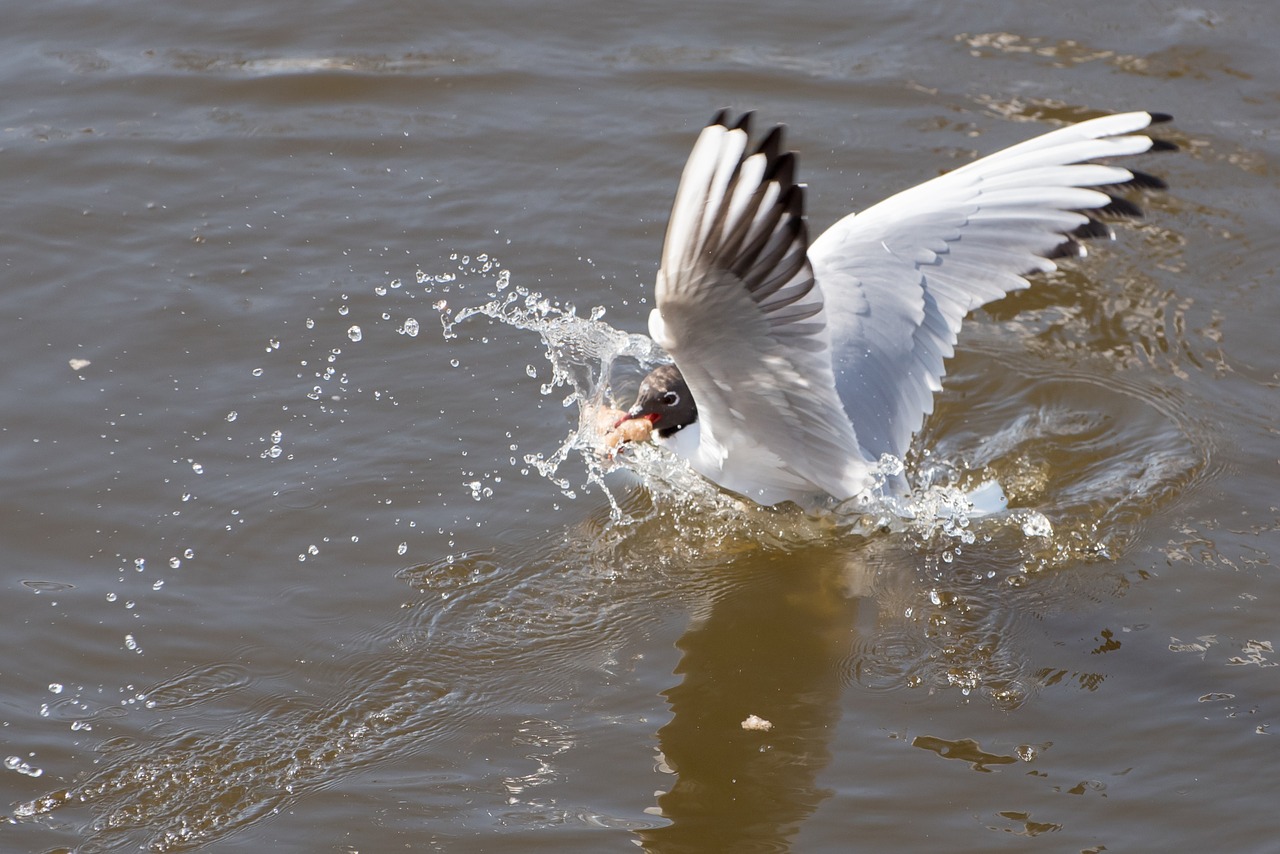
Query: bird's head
664	401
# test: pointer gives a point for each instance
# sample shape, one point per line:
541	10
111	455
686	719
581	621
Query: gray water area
297	556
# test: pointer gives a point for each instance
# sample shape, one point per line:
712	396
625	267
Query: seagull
798	366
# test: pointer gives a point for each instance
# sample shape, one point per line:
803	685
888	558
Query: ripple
185	790
197	685
512	625
450	573
48	586
1097	453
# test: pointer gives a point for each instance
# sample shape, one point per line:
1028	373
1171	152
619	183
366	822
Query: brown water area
299	552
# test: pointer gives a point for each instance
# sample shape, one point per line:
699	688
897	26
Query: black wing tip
1145	181
1158	118
781	168
1093	229
772	140
792	200
1120	208
1117	207
1069	248
771	145
742	122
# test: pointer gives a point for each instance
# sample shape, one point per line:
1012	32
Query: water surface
291	564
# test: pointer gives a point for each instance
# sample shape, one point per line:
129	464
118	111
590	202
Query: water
307	545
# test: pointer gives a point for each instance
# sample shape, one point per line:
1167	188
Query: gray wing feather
900	277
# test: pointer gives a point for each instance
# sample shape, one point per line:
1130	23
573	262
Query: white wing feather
739	311
900	276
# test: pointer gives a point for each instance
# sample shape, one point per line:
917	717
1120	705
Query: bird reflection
772	646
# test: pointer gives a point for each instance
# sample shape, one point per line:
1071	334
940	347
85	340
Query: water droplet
354	333
1035	524
402	548
232	415
410	327
15	763
257	372
55	687
890	466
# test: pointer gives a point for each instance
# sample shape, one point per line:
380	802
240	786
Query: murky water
306	547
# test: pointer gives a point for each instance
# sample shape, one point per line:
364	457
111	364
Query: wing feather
900	277
739	310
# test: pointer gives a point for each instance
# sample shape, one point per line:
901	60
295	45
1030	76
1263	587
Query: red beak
651	417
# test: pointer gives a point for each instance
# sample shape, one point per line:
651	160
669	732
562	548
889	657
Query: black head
665	400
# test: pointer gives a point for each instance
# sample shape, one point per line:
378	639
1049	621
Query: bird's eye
670	398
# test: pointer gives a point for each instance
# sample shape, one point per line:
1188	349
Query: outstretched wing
740	312
900	277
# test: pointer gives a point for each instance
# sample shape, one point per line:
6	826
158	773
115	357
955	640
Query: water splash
588	359
583	353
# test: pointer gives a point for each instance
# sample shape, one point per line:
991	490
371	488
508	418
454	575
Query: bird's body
800	365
